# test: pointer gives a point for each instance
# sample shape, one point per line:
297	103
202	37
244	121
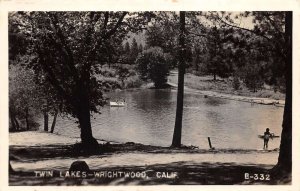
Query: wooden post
209	143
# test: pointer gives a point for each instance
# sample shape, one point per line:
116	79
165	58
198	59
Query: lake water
149	118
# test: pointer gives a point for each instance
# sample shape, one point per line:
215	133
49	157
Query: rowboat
117	104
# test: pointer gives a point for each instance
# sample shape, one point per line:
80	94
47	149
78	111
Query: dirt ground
45	152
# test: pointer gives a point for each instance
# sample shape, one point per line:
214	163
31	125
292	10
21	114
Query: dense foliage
152	64
67	50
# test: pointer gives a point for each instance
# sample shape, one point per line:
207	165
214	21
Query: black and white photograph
123	98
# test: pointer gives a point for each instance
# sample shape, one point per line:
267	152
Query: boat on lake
117	103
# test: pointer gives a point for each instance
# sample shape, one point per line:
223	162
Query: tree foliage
273	30
152	64
67	49
24	98
219	53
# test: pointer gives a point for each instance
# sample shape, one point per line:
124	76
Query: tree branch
113	30
106	16
51	75
60	35
196	34
242	28
106	35
272	22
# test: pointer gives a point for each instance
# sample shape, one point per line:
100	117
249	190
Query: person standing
267	136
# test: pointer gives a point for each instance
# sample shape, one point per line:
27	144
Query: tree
253	81
134	49
163	33
176	142
153	64
126	53
127	48
275	30
23	99
141	48
218	62
123	74
284	164
236	83
68	48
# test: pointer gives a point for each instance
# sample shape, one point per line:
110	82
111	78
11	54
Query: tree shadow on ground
188	173
36	153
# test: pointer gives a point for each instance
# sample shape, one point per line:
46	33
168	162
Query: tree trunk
284	165
176	142
46	117
83	113
13	124
26	118
16	122
54	121
86	135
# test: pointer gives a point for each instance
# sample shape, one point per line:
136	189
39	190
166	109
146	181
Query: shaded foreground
160	165
188	174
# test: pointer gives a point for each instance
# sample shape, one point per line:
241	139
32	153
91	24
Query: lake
149	118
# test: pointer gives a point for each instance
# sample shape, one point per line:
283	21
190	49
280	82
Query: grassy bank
206	83
124	77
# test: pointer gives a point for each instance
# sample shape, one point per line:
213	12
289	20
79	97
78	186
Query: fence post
209	142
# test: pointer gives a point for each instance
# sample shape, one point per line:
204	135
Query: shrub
152	64
236	83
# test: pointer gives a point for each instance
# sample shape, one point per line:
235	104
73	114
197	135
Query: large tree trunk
284	165
54	121
176	142
46	119
83	113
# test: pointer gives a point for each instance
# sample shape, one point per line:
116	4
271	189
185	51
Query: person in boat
267	136
120	101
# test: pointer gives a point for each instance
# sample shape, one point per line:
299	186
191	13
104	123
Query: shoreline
213	93
232	96
54	139
52	152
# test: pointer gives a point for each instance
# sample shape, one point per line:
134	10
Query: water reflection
214	101
149	118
